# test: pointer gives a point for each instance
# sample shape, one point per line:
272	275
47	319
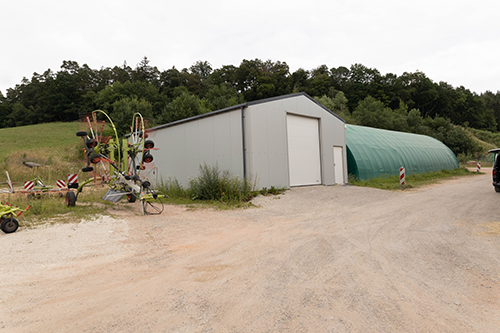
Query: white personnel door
338	164
304	160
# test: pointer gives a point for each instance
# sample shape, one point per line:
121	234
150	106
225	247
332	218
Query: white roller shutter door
303	150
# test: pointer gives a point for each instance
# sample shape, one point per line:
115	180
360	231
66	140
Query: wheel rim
10	225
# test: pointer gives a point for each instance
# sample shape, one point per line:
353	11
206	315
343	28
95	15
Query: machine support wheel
131	197
9	225
70	199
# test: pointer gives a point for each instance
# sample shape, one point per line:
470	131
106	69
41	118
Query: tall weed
173	189
216	185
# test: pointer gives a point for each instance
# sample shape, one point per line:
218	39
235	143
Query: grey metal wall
266	140
186	146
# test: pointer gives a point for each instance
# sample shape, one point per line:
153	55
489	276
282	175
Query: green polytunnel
373	152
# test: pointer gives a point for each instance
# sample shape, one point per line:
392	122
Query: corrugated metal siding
212	140
374	153
266	144
266	139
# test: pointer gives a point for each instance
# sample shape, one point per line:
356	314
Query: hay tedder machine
118	163
7	221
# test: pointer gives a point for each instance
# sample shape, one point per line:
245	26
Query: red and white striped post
402	180
478	166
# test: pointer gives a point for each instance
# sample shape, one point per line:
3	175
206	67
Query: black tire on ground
9	225
88	169
497	188
149	144
131	197
81	133
70	199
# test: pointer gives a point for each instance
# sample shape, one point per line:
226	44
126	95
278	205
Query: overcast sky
455	41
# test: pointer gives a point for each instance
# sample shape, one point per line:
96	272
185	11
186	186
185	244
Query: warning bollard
478	166
402	180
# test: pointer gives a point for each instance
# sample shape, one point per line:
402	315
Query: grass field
53	145
36	137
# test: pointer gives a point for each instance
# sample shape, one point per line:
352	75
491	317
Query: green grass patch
54	146
412	181
52	207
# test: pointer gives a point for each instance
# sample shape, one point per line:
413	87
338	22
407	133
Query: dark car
496	169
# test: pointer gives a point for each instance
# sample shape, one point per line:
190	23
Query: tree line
411	102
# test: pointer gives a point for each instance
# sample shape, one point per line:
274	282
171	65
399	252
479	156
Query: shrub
206	185
212	184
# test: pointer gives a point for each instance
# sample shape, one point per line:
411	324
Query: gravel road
316	259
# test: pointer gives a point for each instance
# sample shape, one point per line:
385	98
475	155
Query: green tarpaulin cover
373	152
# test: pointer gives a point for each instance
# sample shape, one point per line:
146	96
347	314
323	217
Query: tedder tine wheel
135	145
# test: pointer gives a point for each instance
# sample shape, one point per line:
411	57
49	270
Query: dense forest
411	102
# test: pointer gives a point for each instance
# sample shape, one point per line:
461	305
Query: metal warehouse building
373	152
286	141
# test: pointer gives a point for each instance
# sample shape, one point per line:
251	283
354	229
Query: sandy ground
316	259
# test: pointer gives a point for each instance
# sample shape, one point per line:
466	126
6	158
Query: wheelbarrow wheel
9	225
70	199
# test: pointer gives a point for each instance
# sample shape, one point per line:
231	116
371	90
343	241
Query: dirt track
316	259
